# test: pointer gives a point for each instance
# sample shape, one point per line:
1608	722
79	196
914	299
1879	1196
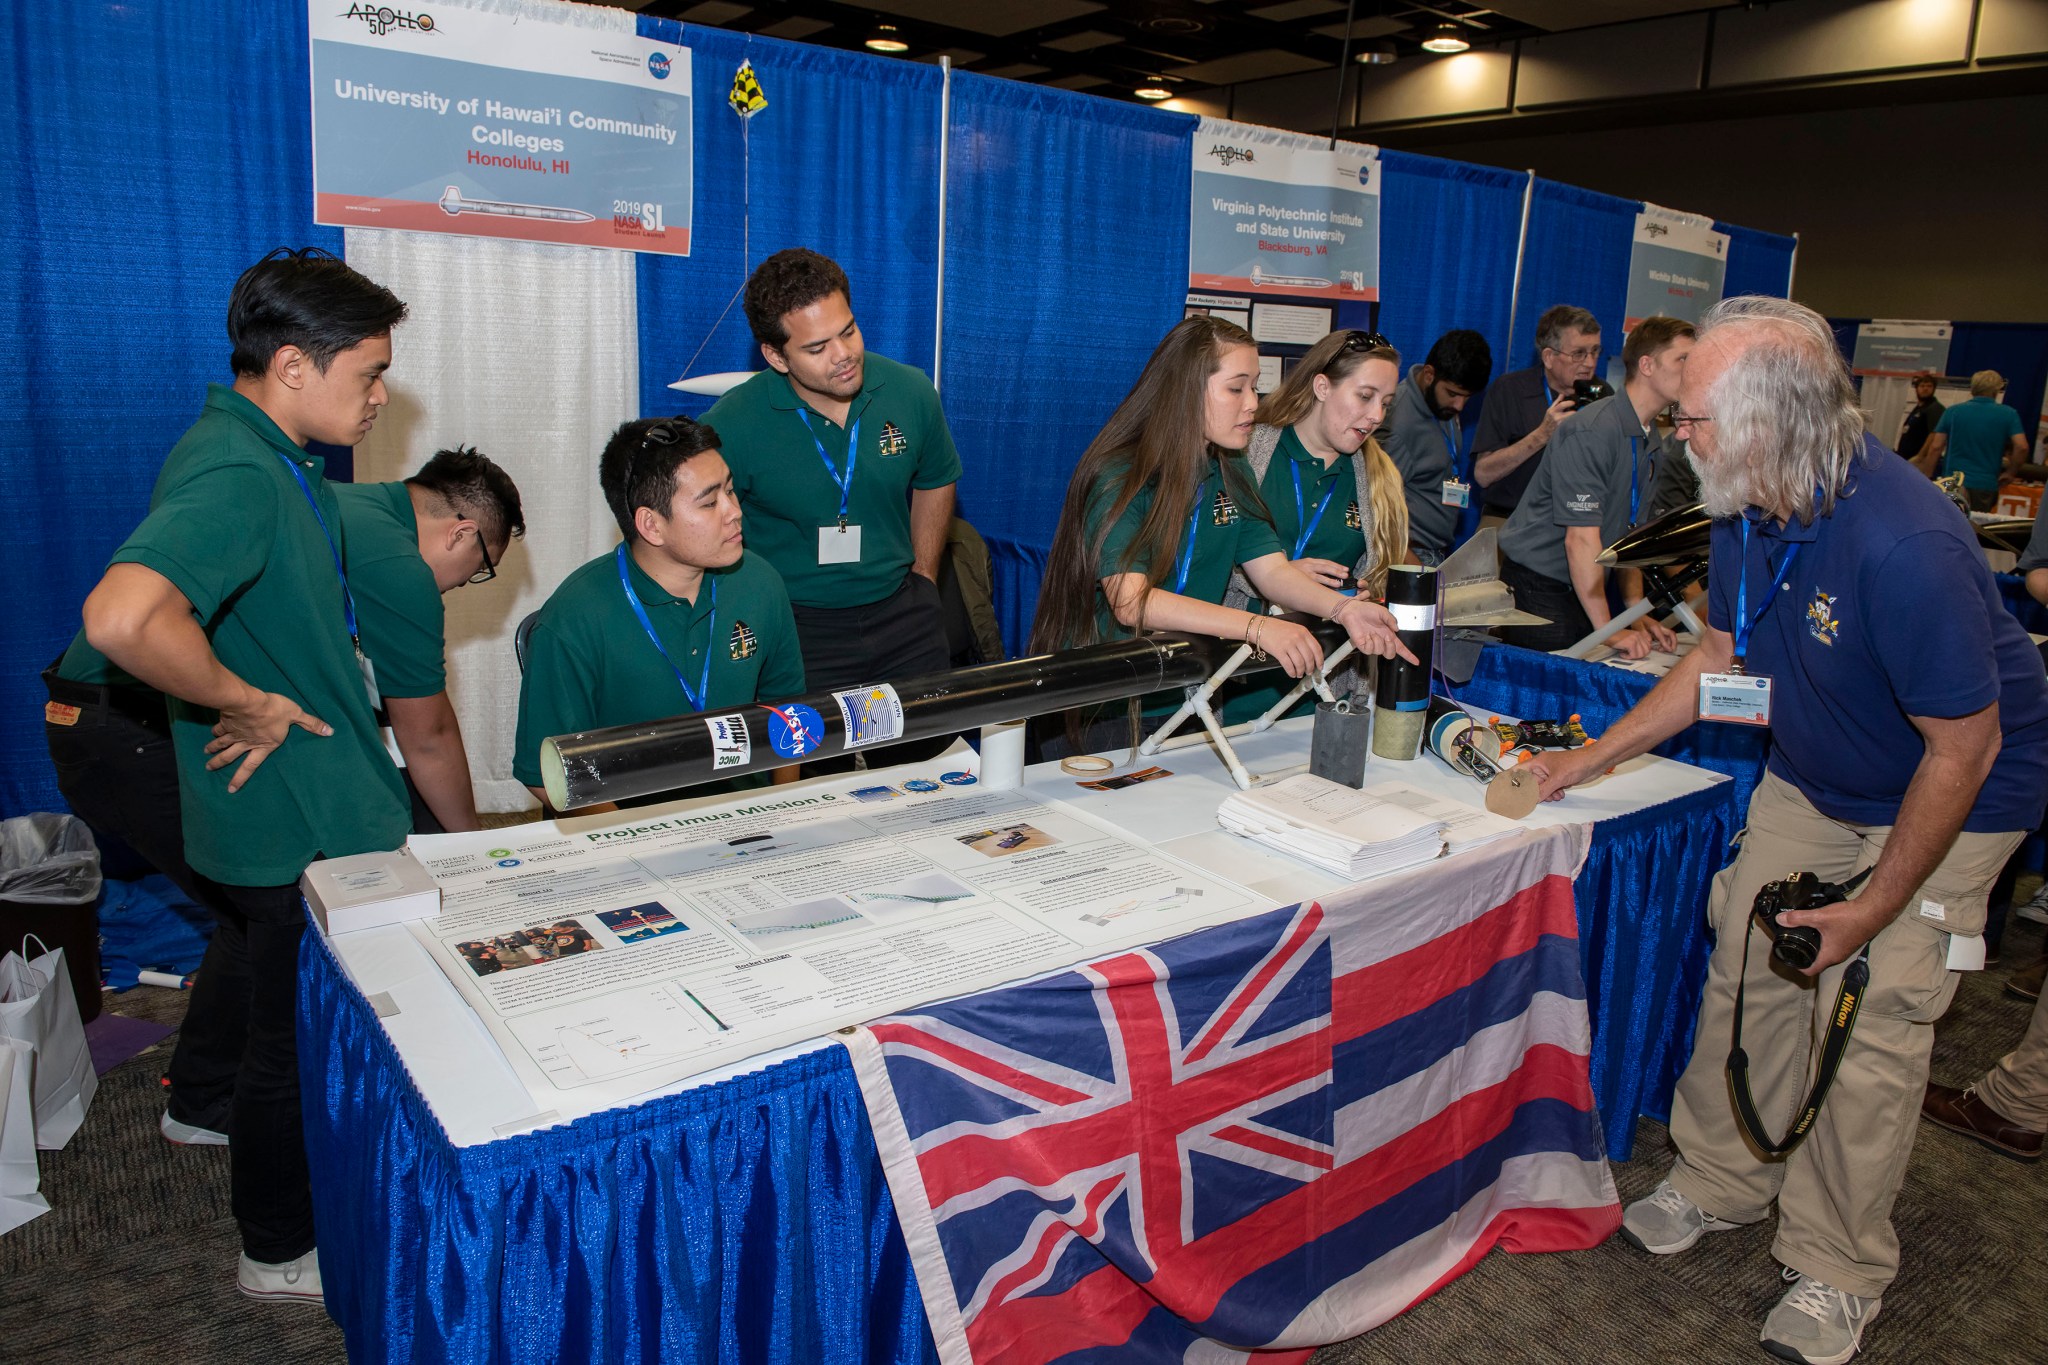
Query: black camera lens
1796	946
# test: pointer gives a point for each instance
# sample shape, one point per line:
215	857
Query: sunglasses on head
1366	341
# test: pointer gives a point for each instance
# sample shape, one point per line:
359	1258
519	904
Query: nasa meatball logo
658	65
794	729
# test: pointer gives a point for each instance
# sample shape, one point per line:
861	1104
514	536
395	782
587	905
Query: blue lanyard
1450	444
1745	624
1635	455
1187	550
696	698
845	481
1308	523
348	601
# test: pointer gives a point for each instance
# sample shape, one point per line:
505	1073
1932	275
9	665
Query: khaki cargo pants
1834	1192
2018	1086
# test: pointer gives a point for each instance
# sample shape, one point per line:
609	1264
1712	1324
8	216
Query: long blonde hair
1336	356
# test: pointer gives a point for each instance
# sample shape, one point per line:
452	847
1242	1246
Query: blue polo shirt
1978	433
1888	611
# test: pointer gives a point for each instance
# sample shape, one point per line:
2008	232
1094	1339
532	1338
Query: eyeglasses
1585	355
489	570
665	432
1680	419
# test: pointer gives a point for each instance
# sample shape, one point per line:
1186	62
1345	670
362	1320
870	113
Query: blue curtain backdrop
1066	261
1578	250
130	211
1758	262
845	160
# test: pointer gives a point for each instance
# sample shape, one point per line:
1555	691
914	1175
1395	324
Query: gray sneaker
2035	909
1818	1323
1666	1222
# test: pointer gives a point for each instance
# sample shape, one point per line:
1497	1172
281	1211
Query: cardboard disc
1513	794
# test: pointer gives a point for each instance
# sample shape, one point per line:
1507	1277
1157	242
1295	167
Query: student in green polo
406	544
846	469
1160	510
679	618
1336	498
231	599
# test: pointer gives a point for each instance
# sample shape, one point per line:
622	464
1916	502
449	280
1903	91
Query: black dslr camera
1795	945
1586	391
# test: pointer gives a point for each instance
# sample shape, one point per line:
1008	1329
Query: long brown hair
1336	356
1154	438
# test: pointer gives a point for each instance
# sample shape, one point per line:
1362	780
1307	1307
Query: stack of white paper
1464	826
1353	834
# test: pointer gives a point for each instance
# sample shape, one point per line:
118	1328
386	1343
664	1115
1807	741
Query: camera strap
1841	1023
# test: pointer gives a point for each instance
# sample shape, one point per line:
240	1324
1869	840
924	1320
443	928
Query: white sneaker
1818	1323
1665	1222
286	1282
2035	909
187	1135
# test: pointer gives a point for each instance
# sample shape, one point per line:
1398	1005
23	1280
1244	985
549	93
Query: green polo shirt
231	529
398	604
788	494
589	663
1225	536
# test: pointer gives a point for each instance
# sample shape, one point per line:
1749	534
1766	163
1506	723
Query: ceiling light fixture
1446	38
1153	92
887	39
1382	53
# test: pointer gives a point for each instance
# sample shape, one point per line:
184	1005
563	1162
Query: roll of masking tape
1085	765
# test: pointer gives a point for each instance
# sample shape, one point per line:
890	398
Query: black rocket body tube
1402	698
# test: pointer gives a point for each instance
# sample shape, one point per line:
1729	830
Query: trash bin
50	887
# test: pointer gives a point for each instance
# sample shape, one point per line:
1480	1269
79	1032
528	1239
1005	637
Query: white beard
1721	488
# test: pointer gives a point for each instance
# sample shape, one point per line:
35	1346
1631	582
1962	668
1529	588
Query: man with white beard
1850	612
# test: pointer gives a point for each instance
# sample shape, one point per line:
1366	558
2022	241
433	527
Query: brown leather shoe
2026	982
1960	1111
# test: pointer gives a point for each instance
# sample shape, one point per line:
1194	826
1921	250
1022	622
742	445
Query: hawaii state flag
1258	1138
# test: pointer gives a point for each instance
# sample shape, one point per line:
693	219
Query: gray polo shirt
1585	480
2036	554
1421	448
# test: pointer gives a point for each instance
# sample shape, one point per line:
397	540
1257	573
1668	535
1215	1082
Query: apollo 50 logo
1230	155
381	19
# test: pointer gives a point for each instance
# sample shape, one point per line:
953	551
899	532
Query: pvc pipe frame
1197	705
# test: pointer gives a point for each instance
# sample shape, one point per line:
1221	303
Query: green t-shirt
589	663
788	494
1339	535
398	604
230	527
1225	536
1978	432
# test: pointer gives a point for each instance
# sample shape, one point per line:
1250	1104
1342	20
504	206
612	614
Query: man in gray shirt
1422	435
1595	484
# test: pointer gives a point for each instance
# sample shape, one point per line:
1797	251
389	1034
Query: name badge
839	544
370	682
1739	698
1457	494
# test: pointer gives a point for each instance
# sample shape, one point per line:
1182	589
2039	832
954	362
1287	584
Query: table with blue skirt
749	1220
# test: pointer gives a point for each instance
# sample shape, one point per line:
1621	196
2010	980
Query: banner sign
1280	213
1677	269
497	123
1899	349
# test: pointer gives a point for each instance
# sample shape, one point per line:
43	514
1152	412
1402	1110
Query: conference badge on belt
893	440
743	641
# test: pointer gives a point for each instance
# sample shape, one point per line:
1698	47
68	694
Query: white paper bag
19	1178
38	1008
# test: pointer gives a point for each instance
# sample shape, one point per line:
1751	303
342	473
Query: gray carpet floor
138	1253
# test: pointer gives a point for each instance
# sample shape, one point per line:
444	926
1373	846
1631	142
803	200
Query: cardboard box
369	891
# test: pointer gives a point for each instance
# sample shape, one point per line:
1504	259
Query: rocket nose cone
1606	557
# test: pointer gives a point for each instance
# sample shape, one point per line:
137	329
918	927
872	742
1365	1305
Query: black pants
116	770
236	1069
1542	595
901	636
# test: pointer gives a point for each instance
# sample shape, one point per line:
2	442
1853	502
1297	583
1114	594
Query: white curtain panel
530	353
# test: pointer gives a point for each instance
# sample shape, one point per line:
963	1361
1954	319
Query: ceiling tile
1082	42
1559	15
1288	12
958	56
714	12
1375	27
1248	66
996	18
1017	71
795	28
1078	82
